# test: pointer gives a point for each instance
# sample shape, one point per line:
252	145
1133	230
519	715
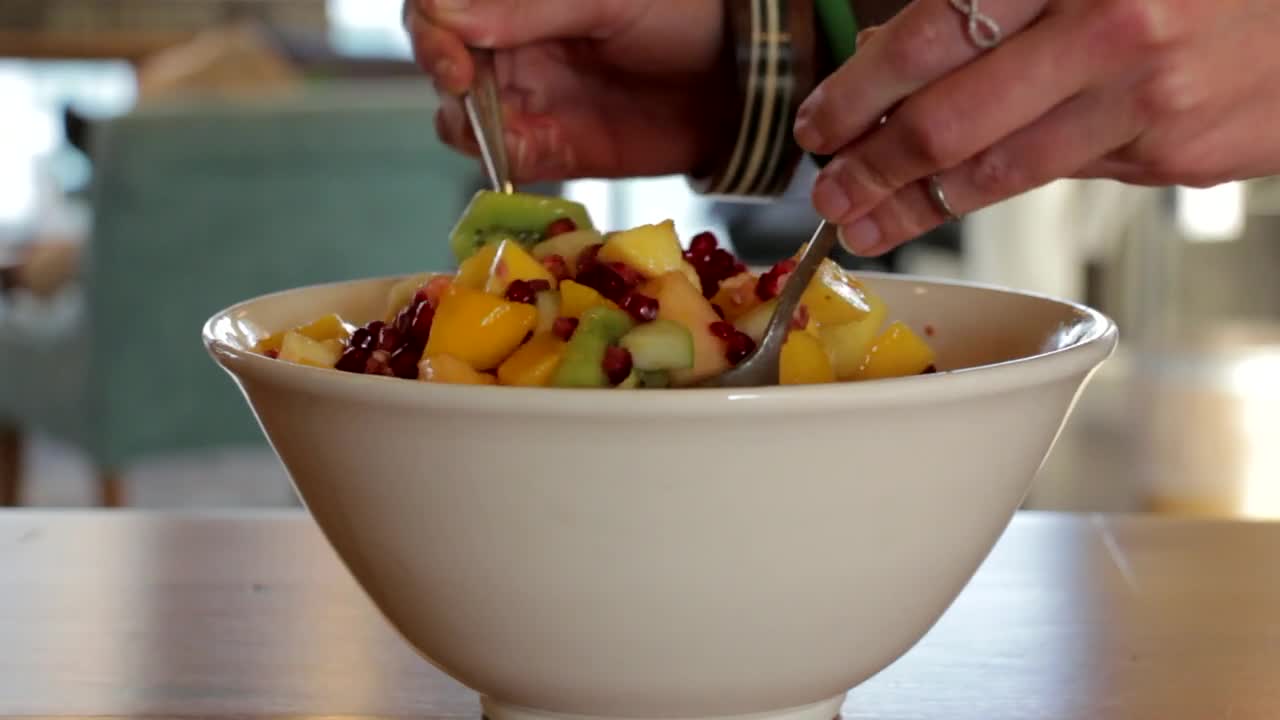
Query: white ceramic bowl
677	553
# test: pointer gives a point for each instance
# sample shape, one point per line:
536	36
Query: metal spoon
484	110
763	365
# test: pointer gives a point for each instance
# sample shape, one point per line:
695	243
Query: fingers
953	120
439	53
509	23
924	42
1071	137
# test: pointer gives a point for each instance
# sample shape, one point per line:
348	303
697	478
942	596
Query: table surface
138	614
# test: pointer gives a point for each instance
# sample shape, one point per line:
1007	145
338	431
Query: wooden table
250	615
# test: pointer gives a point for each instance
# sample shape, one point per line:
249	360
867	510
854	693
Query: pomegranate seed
526	291
560	227
929	331
557	266
639	306
740	346
704	243
604	280
629	275
363	338
771	282
420	326
723	330
273	354
354	360
436	288
587	257
404	362
930	370
563	327
616	364
379	363
389	339
800	320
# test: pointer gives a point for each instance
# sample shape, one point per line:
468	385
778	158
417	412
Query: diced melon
691	274
478	328
568	246
834	297
534	363
737	295
576	298
299	348
548	304
327	327
650	250
848	344
512	262
898	352
804	361
453	371
682	302
756	322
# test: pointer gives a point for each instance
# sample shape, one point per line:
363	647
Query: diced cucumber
598	328
548	304
660	345
655	378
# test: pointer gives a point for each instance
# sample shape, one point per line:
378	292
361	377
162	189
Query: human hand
590	88
1152	92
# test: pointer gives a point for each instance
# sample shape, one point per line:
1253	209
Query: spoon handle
484	110
819	247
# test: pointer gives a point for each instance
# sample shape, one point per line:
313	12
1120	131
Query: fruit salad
543	299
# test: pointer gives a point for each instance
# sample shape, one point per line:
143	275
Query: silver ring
940	199
983	31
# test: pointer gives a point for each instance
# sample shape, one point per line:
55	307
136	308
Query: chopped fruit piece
616	364
401	294
737	296
651	250
804	361
328	327
557	266
548	304
756	322
680	301
654	378
660	345
404	361
774	278
298	348
583	363
560	227
526	217
354	360
567	246
534	364
415	320
478	328
512	263
848	345
473	273
612	280
633	381
898	352
576	299
451	370
834	298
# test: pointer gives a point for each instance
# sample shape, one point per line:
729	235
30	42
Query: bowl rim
1080	358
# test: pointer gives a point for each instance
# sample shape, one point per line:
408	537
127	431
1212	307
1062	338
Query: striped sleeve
777	54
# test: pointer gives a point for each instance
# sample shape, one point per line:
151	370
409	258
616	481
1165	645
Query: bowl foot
823	710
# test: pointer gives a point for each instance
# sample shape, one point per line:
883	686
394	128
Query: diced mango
534	363
453	371
848	344
329	327
299	348
478	328
691	274
834	297
804	361
737	296
576	298
650	250
473	273
898	352
512	262
682	302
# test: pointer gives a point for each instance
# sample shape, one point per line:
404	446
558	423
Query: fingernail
829	199
860	238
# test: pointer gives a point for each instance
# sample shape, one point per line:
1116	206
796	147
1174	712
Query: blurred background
161	159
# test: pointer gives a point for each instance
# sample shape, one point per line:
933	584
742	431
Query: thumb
510	23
